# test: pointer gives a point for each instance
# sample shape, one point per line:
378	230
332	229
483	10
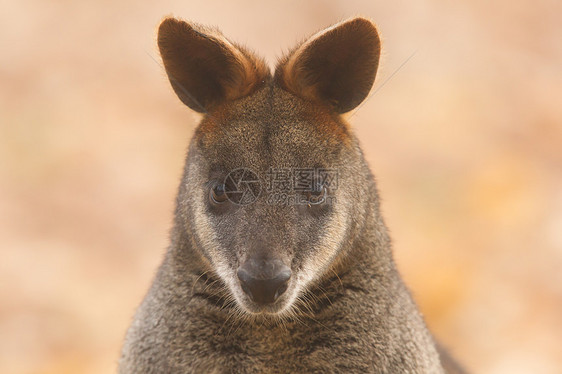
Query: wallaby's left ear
337	65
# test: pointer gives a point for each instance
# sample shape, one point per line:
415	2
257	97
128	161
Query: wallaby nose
264	280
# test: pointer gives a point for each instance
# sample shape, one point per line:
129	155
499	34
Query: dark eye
218	194
318	195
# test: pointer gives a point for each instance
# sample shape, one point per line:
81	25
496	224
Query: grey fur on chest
352	334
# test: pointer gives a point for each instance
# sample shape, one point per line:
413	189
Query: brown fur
345	308
212	67
313	70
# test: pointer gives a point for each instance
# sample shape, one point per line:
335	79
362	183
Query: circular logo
242	186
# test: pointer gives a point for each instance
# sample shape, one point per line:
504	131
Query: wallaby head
279	259
275	189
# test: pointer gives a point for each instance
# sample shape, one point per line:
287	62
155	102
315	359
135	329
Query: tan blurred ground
465	141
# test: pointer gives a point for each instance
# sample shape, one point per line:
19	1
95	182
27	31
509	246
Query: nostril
280	291
246	289
282	283
245	281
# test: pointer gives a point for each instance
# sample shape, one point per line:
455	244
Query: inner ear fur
204	68
337	65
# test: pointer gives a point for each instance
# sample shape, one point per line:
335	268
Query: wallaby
279	260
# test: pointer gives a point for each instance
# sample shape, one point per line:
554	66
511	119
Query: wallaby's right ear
204	68
336	66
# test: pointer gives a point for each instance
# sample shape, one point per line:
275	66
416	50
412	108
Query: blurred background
464	134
